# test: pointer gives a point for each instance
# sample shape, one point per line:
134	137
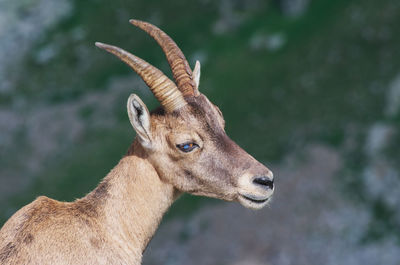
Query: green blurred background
290	76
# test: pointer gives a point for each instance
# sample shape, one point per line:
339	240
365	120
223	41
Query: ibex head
185	140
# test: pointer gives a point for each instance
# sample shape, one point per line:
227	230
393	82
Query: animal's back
51	232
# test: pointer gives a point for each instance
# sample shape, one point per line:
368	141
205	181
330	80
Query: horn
181	71
162	87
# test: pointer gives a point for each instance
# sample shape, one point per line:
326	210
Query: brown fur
114	223
111	225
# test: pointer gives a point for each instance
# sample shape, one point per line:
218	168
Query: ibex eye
187	147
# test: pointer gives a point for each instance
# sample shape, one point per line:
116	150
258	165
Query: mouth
253	202
254	199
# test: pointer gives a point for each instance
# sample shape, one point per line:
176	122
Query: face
190	149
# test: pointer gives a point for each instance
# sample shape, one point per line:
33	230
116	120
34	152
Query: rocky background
311	88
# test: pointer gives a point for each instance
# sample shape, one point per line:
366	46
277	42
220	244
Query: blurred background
310	87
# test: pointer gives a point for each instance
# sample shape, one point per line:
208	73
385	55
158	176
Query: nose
265	182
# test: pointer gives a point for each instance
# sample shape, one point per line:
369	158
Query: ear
196	74
140	119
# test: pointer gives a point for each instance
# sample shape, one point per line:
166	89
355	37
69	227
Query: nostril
264	181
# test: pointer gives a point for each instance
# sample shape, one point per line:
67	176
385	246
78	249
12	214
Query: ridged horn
162	87
181	71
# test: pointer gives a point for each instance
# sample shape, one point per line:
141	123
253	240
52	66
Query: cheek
172	169
164	166
215	171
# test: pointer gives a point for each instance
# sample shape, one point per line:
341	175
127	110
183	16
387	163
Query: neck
132	199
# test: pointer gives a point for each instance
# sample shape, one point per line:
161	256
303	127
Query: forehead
203	111
199	113
200	106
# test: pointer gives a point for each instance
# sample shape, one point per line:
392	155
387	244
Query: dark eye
187	147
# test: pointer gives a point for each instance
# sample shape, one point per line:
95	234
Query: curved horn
180	68
162	87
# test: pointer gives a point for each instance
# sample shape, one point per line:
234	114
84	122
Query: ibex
180	147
